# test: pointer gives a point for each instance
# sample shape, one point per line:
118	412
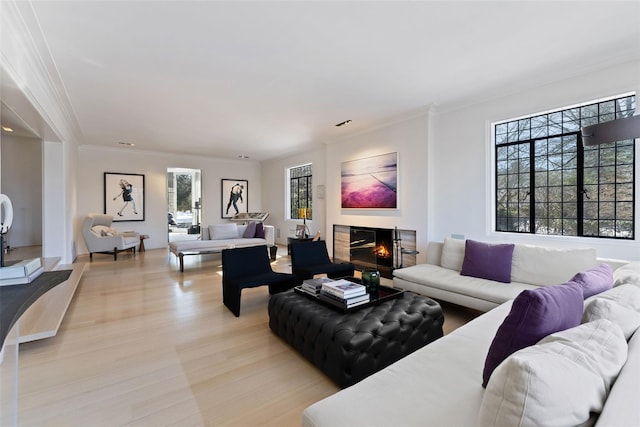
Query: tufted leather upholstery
349	347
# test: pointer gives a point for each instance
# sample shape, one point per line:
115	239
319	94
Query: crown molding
30	72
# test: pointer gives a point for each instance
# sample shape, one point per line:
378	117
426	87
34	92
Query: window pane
600	178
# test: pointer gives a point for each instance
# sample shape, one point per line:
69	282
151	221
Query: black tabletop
16	299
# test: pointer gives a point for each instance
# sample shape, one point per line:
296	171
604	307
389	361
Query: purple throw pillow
595	280
487	261
250	231
534	314
259	231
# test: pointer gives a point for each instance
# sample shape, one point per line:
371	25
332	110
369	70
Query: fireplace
372	248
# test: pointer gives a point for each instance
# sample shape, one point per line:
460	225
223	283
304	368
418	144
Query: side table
294	239
142	237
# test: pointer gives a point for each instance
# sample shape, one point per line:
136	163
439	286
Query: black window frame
572	182
300	190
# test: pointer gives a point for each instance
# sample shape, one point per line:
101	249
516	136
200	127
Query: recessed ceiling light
7	129
128	144
346	122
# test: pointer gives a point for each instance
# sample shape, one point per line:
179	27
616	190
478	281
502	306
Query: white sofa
441	384
531	267
217	237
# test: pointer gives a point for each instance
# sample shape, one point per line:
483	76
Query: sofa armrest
270	234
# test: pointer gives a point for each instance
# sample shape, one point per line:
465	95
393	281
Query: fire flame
382	251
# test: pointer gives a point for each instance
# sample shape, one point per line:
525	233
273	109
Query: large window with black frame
546	182
300	181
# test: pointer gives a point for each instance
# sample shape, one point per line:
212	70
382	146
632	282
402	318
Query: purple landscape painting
370	183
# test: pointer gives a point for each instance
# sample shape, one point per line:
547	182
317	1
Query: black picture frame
124	196
234	197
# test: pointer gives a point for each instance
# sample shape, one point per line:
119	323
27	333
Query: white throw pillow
542	266
103	230
557	382
628	273
622	315
627	295
223	231
452	254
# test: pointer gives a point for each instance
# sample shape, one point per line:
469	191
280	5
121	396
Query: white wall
93	162
35	92
274	193
409	139
22	183
460	179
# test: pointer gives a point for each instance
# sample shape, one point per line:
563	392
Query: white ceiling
266	79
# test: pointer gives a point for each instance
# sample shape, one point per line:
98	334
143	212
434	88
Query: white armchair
101	238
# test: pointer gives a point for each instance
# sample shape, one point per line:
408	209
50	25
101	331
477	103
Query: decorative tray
384	294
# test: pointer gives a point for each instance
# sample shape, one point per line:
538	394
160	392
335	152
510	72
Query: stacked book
313	286
344	292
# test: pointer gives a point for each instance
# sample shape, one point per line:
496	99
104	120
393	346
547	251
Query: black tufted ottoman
350	347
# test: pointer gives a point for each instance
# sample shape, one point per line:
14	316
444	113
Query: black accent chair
249	268
311	258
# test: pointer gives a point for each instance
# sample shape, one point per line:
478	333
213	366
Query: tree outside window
548	183
300	184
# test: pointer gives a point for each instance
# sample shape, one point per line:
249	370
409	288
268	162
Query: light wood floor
145	345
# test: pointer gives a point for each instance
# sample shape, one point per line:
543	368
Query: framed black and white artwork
124	196
235	197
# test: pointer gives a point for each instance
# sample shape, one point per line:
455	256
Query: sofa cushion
628	295
259	231
250	231
433	276
544	266
223	231
595	280
452	254
622	315
534	315
628	273
559	382
487	261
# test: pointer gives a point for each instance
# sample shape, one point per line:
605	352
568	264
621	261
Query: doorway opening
184	203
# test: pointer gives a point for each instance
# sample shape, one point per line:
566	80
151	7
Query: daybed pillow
259	231
250	231
452	254
558	382
534	314
223	231
628	273
542	266
595	280
487	261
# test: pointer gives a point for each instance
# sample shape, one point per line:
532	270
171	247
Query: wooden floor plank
145	345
